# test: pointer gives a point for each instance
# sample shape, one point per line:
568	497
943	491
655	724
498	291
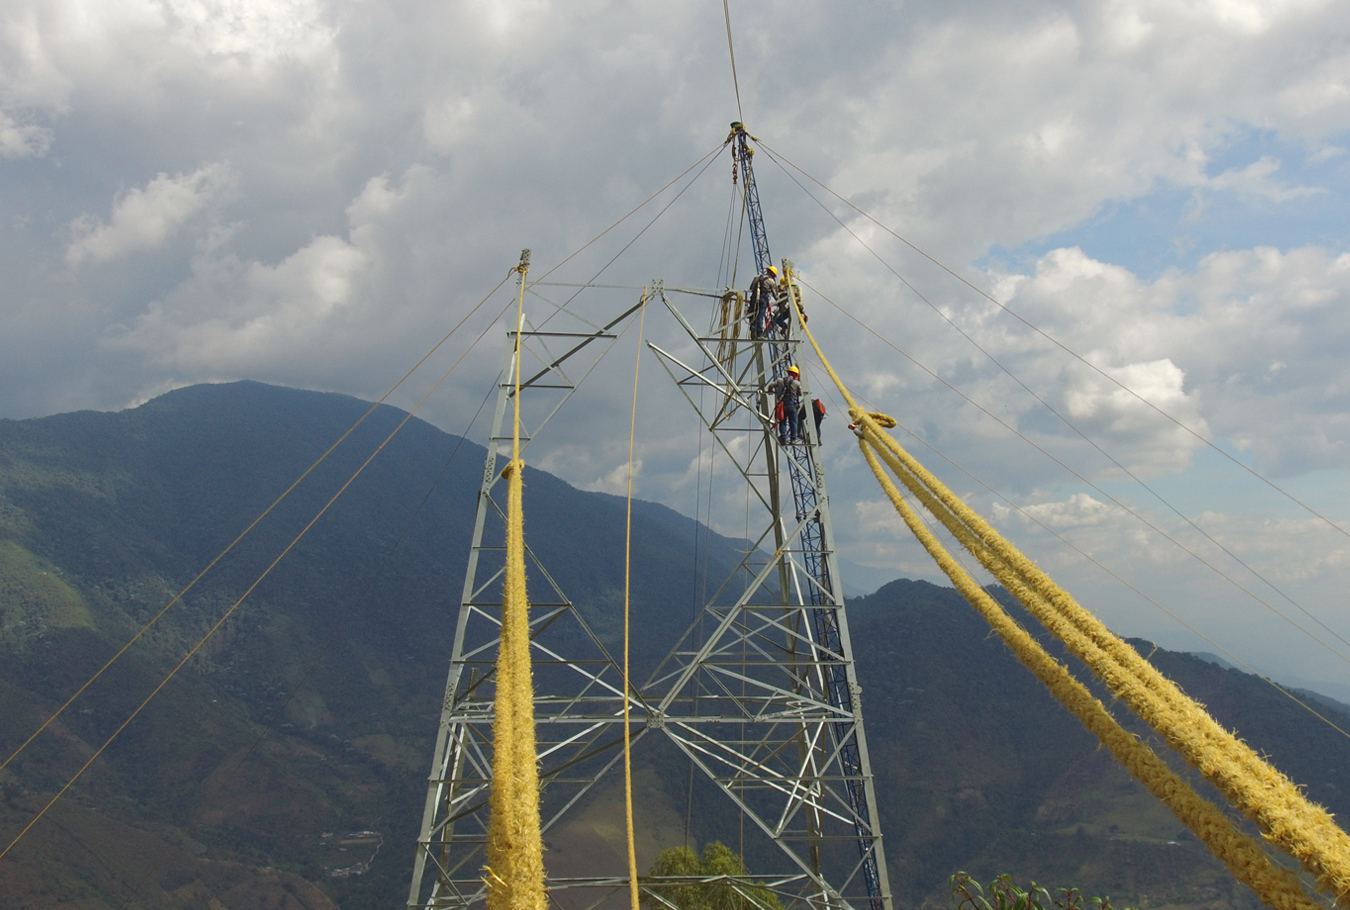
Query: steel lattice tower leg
775	659
760	693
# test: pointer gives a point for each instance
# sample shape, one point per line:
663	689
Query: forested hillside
104	517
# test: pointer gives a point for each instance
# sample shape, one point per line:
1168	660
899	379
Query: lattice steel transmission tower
760	693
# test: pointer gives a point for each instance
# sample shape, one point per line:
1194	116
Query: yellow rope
1301	828
627	576
515	851
1277	886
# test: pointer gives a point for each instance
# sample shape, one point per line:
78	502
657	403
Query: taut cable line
708	158
775	156
731	51
242	534
631	212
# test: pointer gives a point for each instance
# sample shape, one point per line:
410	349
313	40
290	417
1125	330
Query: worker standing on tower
788	391
783	315
763	290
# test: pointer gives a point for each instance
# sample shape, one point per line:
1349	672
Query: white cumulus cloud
145	218
23	140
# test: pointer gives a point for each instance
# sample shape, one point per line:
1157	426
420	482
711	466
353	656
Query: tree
717	868
1004	895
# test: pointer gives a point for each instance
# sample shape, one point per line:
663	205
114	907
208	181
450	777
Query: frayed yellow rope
1276	886
515	849
1303	829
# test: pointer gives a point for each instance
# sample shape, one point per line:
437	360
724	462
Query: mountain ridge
977	767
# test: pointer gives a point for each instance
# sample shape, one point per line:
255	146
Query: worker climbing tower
760	694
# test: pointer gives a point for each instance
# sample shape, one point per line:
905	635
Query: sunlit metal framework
760	693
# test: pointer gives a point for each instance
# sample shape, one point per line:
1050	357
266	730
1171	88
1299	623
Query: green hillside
103	517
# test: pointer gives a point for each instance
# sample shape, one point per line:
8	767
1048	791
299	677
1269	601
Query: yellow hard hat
772	271
794	371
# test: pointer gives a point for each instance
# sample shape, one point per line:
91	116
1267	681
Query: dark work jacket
786	390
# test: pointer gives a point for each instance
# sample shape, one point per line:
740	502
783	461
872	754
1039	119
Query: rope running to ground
627	627
1244	779
1302	829
515	852
1279	887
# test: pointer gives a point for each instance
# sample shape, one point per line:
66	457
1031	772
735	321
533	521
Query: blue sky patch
1247	204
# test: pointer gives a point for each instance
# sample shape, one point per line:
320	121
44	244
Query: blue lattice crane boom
807	479
759	238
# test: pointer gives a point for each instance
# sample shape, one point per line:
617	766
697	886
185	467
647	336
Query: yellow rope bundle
1278	887
515	851
515	873
1301	828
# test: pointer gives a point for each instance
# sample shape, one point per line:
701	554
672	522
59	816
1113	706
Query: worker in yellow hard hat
763	289
783	315
787	389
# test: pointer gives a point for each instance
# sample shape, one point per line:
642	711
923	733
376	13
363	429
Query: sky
1150	198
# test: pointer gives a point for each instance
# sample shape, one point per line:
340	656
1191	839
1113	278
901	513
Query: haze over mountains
104	517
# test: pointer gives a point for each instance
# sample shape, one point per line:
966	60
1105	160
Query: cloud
143	219
234	316
1242	349
615	481
266	309
1006	126
1079	510
386	162
254	32
22	140
1256	179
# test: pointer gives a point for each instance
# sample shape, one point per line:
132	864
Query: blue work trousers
790	427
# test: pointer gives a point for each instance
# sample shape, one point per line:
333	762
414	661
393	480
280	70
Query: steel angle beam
580	700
